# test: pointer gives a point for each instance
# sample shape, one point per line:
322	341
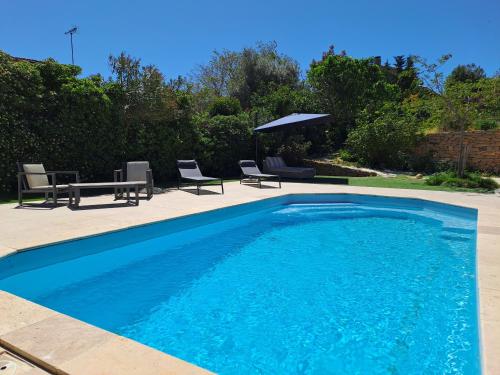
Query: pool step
457	234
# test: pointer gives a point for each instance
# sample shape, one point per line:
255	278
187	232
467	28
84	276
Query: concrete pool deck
56	343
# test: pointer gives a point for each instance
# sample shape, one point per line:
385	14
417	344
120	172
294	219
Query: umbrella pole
256	147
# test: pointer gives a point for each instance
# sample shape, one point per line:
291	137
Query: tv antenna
71	32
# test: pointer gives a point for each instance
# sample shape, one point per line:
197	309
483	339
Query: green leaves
346	86
385	138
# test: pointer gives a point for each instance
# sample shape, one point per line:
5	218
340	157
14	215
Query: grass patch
403	182
12	198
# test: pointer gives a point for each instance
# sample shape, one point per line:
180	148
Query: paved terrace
59	344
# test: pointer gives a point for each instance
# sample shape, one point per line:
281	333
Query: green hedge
49	115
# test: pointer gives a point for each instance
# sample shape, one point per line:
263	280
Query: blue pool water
312	284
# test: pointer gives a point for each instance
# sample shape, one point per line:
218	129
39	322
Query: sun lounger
250	170
189	170
277	166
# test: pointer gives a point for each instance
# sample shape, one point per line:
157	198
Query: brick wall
483	151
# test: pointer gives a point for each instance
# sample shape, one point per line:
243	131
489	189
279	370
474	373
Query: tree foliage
466	73
385	138
224	106
244	74
346	86
49	113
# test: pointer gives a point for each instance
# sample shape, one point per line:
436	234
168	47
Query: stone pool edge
30	328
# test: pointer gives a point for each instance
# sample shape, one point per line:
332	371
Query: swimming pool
296	284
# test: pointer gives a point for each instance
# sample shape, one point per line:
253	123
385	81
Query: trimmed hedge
49	115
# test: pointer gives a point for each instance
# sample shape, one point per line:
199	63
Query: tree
345	86
220	73
399	63
246	73
466	73
224	106
155	116
455	112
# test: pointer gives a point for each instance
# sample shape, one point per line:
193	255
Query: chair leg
260	183
279	179
198	189
19	191
77	197
222	185
54	197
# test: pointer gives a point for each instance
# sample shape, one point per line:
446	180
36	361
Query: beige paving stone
489	276
34	371
490	334
488	249
490	304
120	355
16	313
488	229
55	339
4	250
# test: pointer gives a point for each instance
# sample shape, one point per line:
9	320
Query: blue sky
178	35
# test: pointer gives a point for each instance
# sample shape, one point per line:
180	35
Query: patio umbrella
295	119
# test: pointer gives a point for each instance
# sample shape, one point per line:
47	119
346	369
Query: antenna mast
71	32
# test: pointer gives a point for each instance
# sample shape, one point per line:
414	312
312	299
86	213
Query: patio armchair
277	166
133	171
249	169
189	170
33	178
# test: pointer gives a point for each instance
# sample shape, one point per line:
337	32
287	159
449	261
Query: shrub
470	180
486	124
224	106
224	141
346	155
386	139
294	150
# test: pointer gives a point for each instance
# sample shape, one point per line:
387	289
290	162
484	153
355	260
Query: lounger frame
198	181
258	175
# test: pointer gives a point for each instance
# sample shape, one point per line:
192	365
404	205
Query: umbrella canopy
294	119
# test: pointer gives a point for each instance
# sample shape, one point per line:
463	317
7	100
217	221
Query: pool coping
29	330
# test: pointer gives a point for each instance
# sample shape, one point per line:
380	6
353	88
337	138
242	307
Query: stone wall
483	149
327	168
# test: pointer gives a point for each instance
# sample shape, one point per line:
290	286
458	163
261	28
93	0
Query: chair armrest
76	173
63	172
35	173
